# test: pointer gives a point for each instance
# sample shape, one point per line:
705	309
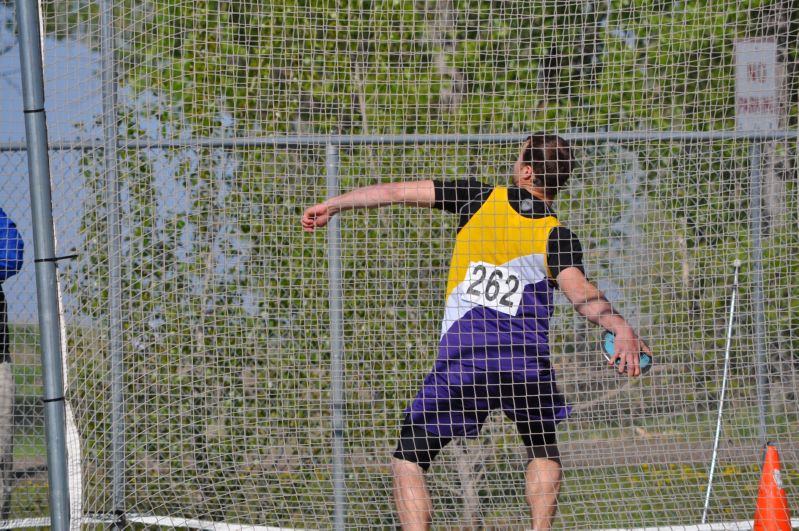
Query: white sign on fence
756	87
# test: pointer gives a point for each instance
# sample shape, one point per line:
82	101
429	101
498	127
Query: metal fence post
114	231
336	341
30	52
756	206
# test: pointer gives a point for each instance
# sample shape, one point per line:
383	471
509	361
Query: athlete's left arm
410	193
590	302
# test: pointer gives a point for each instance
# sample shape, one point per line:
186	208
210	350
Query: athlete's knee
412	450
403	467
417	446
540	439
544	475
548	452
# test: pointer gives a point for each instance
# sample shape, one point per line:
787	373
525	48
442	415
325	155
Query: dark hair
551	159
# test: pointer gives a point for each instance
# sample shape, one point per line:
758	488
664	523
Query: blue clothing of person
11	247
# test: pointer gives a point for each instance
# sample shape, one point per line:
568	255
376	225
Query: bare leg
542	487
411	496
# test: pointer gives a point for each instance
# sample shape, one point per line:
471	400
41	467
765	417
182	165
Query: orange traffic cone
771	513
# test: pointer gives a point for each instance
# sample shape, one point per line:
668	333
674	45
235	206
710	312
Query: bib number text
494	287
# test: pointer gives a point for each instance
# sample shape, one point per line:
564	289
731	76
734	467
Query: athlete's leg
415	452
543	472
542	485
414	506
537	406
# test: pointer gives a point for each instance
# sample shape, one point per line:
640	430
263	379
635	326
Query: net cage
226	369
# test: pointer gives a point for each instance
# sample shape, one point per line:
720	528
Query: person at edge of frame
11	251
509	255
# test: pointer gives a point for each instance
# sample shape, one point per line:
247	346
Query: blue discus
609	347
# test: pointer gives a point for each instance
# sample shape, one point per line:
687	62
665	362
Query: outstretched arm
411	193
592	304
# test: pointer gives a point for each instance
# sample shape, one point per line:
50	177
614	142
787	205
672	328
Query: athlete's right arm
411	193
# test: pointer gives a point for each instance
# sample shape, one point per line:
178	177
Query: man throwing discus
510	254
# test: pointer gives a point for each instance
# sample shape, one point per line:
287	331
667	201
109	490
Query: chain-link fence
24	466
257	387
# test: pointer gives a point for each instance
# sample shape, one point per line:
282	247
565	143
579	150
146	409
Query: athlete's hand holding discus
629	350
592	304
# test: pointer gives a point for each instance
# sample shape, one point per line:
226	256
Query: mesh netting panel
197	295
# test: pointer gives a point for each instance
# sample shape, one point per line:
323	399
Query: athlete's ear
527	176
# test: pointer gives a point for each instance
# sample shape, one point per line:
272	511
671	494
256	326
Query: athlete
510	253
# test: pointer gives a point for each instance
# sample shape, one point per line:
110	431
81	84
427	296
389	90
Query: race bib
494	287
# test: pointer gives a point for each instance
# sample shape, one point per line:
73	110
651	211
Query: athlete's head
544	163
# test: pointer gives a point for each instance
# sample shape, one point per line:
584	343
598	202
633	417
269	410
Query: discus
609	349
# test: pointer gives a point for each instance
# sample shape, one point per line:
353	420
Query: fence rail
359	140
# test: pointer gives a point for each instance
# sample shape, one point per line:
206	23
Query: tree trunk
441	34
775	22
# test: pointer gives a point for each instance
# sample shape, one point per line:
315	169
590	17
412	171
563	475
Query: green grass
26	362
24	337
630	497
30	445
621	497
27	381
739	424
29	498
29	494
29	439
655	495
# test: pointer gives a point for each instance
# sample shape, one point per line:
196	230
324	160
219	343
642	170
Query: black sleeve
563	251
459	196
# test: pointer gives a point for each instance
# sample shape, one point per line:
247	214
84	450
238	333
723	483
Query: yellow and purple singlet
494	347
